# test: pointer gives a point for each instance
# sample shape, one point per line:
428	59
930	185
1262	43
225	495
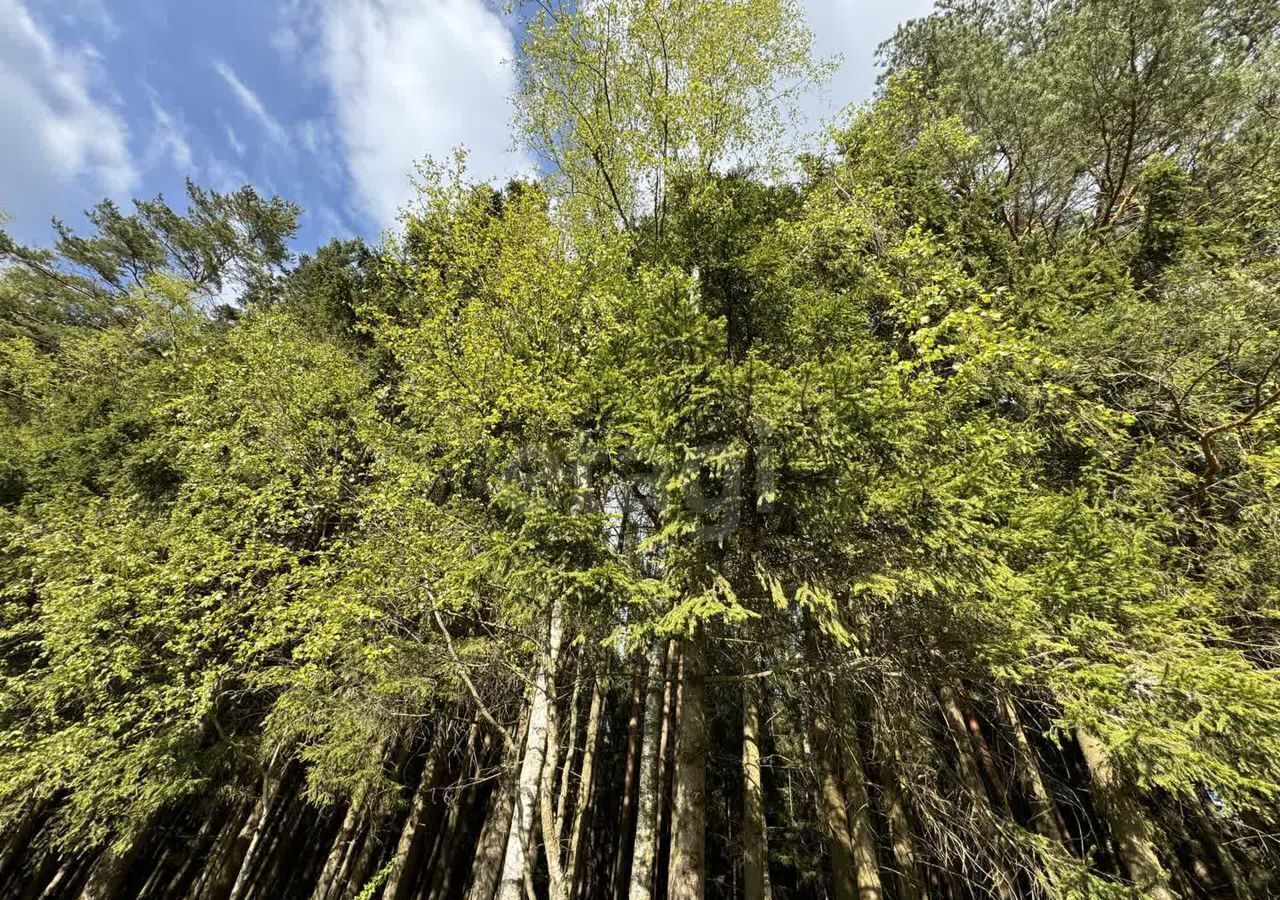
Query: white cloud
59	138
234	140
252	105
89	13
412	78
168	140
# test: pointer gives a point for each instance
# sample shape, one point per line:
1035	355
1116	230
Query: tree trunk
755	836
686	876
1213	834
866	863
571	752
516	859
1129	826
396	884
491	845
215	870
338	852
998	790
1044	814
631	775
552	828
844	882
586	791
971	780
266	807
645	848
910	885
106	878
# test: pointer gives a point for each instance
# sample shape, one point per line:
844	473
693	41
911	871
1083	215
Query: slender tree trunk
15	843
686	875
998	790
571	752
755	834
454	865
215	870
971	780
107	876
631	774
491	845
516	860
645	848
338	852
586	791
1044	813
1132	831
866	863
65	873
844	882
1213	835
552	828
396	884
271	784
910	884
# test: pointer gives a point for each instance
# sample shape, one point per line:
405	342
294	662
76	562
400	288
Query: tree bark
516	859
571	752
645	847
866	863
552	828
491	845
338	851
1044	814
910	884
586	790
1132	831
844	882
271	783
686	876
630	778
107	876
971	781
755	834
397	881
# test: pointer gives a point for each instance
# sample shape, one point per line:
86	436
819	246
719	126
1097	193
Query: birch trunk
516	859
557	888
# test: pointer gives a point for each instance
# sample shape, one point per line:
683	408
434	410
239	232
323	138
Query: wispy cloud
59	135
234	140
410	79
252	104
168	140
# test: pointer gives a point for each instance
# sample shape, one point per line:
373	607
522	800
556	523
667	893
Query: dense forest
698	519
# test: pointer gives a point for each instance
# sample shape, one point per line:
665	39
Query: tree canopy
893	522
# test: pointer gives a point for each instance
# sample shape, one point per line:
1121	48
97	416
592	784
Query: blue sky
326	102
